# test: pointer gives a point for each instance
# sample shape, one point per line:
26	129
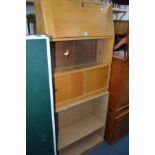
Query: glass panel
68	55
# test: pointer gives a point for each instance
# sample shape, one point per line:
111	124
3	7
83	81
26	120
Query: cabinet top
72	19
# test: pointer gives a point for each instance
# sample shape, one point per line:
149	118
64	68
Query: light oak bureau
82	36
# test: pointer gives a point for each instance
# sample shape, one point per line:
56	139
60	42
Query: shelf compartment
76	85
80	100
78	68
79	54
82	145
89	116
78	130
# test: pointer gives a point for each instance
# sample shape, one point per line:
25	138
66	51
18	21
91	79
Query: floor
121	147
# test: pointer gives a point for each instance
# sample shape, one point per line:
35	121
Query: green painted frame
40	121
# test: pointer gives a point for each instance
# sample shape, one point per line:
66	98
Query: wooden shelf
80	100
78	130
82	145
80	38
78	68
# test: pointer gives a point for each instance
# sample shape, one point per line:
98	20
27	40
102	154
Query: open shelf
82	145
80	100
89	116
78	130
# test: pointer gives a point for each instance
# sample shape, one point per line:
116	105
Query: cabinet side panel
40	29
124	99
115	84
100	107
47	16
